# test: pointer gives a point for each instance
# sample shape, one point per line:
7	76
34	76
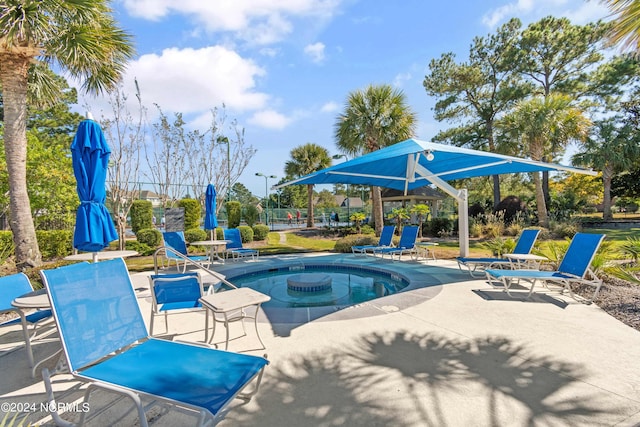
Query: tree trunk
543	221
13	75
496	190
310	219
607	175
376	207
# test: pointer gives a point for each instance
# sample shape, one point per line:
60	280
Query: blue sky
285	68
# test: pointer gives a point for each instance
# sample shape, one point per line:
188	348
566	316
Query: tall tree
475	93
557	56
374	118
125	134
538	124
626	23
82	38
613	147
306	159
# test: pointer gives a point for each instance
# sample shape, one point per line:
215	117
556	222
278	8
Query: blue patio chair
574	268
386	237
174	293
234	247
407	244
106	344
176	242
524	245
11	287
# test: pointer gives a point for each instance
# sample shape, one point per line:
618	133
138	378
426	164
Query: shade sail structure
90	155
210	219
413	163
408	165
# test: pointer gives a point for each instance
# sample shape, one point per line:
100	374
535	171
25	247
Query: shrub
494	225
500	246
150	237
344	245
55	243
192	213
251	215
141	248
260	232
195	234
141	215
564	228
6	245
246	233
439	225
234	210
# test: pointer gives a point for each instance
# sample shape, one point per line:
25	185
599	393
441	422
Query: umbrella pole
94	257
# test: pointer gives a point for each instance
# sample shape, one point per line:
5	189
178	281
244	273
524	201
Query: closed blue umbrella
90	154
210	219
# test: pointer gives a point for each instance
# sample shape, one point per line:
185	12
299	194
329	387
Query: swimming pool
321	285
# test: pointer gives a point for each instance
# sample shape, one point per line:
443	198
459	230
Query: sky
284	68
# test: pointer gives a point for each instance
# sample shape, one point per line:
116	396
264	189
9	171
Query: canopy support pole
461	197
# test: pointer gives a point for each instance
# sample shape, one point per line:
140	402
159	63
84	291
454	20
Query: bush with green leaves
192	213
438	226
563	229
631	248
234	213
55	243
195	234
246	233
344	245
499	246
250	214
260	232
150	237
141	248
141	215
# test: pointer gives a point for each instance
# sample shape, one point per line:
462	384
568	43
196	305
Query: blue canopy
412	164
210	219
90	154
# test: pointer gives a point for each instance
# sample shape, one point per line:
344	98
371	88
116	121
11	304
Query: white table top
427	244
210	242
233	299
35	299
102	255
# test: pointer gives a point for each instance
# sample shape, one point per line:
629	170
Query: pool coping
425	283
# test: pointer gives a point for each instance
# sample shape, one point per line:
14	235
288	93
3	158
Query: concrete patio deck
451	351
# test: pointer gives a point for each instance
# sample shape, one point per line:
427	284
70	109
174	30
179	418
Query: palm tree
612	148
421	211
306	159
373	119
626	24
80	37
540	124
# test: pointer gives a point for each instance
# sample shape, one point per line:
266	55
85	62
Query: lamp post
224	140
338	156
266	196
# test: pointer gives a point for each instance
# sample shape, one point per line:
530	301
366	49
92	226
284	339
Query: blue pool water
349	285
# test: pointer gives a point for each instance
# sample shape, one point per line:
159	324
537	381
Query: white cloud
401	79
315	52
260	21
270	119
191	80
329	107
578	11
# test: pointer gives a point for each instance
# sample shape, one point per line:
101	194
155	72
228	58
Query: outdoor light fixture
429	155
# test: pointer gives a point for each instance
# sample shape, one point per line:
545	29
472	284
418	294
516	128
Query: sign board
174	219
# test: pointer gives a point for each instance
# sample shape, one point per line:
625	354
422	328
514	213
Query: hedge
246	233
345	244
260	232
192	213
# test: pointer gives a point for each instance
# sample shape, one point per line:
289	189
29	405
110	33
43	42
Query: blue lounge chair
234	247
524	246
174	292
386	236
106	344
407	244
574	268
174	240
12	287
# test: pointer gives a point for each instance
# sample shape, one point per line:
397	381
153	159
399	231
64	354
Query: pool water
349	286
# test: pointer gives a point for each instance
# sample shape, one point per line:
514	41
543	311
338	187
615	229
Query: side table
233	305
